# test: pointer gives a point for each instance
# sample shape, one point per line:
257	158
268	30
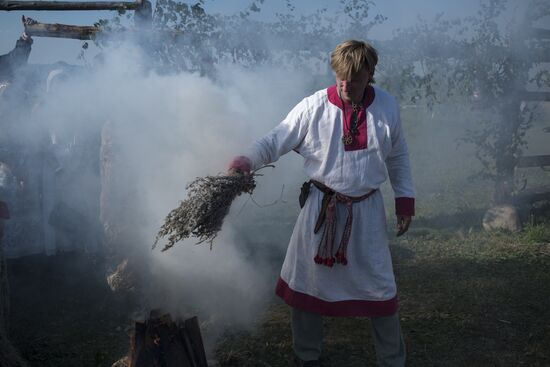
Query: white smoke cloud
173	128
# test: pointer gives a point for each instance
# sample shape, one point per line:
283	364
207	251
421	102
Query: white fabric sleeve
397	161
283	138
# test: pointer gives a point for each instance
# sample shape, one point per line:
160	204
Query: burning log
69	5
159	341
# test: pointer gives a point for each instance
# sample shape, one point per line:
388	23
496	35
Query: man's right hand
240	165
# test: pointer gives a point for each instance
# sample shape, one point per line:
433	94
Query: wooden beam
540	32
539	55
61	31
55	30
533	195
68	5
536	96
534	161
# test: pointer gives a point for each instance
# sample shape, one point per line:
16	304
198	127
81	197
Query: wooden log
540	32
143	16
539	55
37	29
159	341
193	330
533	195
61	31
536	96
68	5
533	161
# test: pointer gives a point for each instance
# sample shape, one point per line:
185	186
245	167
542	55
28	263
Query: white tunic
314	128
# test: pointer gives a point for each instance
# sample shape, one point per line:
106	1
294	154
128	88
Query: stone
503	217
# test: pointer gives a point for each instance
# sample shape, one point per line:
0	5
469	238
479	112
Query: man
338	262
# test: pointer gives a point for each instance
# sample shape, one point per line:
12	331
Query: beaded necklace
348	138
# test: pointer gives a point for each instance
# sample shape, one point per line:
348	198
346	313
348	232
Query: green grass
537	233
467	298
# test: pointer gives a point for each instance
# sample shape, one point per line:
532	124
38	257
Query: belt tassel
328	217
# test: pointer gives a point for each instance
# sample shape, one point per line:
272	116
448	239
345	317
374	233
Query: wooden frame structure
143	16
70	5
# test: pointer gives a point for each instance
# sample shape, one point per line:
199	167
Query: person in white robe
338	262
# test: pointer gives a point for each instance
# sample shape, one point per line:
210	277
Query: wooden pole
37	29
536	96
61	31
540	32
534	161
68	5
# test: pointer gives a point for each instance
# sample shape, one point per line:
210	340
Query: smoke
169	130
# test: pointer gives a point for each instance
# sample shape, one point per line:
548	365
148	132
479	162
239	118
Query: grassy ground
467	298
63	314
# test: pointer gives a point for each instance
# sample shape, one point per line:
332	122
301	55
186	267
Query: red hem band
351	308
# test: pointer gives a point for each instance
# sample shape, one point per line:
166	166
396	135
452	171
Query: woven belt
327	216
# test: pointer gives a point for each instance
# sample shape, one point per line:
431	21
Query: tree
484	64
478	61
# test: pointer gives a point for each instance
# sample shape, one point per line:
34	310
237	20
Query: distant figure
338	262
13	60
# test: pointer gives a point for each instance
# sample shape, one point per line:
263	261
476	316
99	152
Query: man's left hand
403	223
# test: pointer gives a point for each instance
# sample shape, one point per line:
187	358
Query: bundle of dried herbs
201	215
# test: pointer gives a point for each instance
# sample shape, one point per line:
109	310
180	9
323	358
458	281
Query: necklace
348	138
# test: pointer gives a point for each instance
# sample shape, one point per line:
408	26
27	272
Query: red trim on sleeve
351	308
404	206
4	212
241	163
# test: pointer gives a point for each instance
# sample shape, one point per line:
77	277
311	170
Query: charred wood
160	341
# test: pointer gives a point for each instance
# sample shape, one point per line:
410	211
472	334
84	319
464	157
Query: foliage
482	63
479	61
194	40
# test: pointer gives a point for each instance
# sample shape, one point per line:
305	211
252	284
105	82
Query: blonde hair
349	57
